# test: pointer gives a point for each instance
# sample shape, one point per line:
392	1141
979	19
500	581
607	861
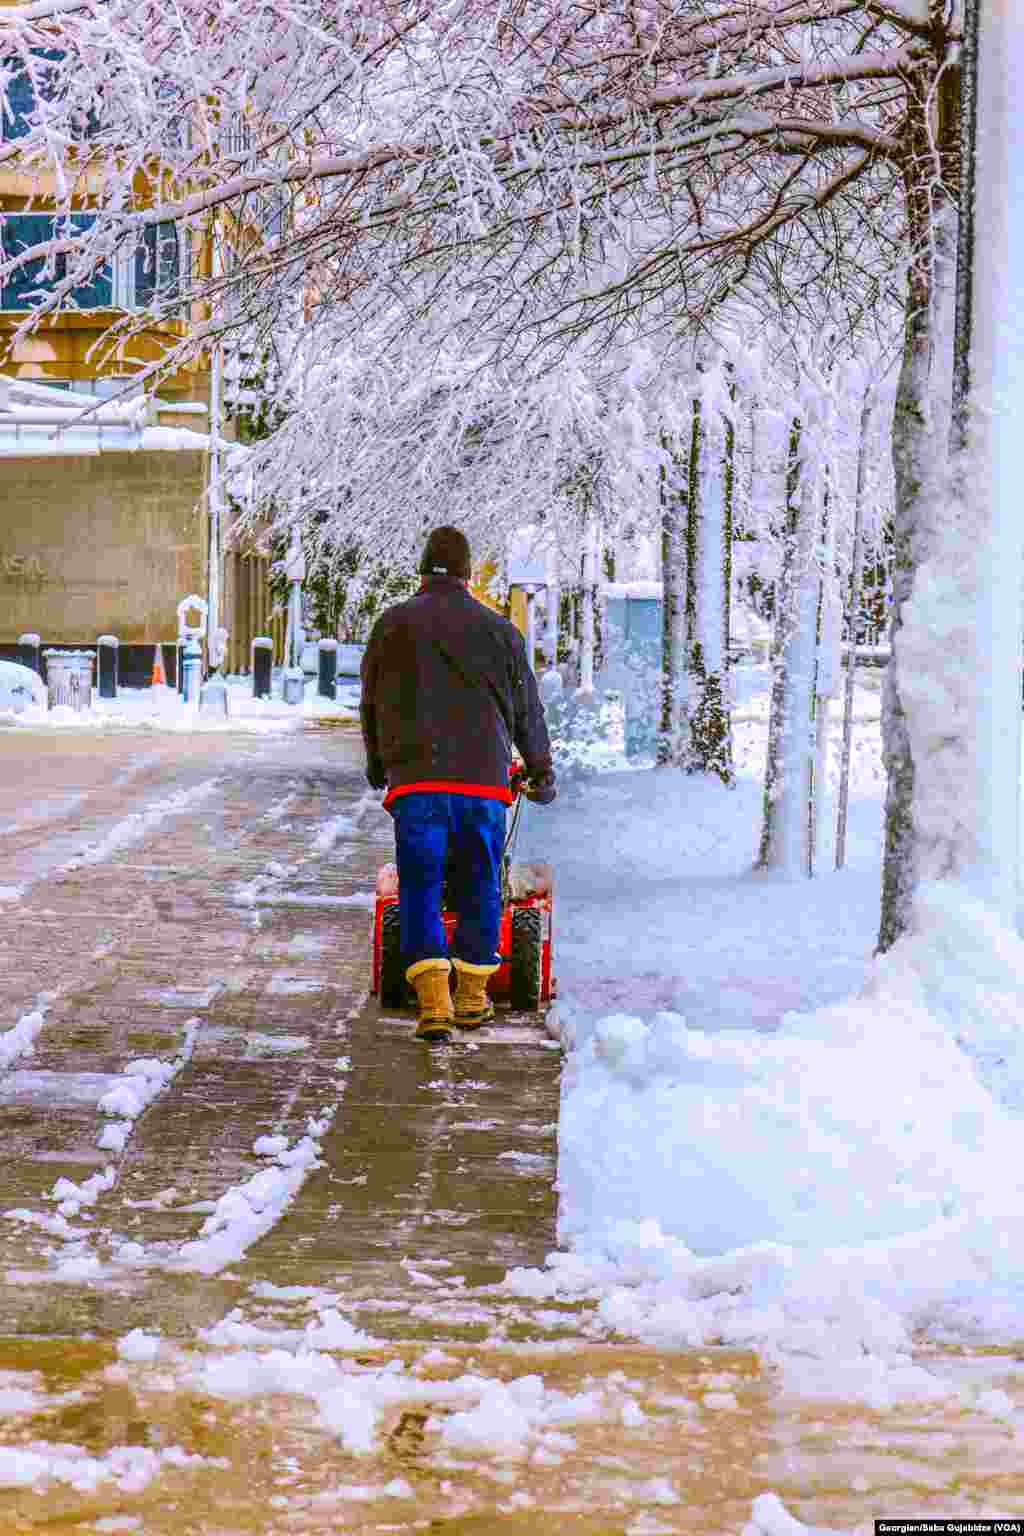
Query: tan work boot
430	980
472	1005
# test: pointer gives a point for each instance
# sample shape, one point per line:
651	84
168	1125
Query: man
447	692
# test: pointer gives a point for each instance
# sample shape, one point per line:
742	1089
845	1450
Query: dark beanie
446	554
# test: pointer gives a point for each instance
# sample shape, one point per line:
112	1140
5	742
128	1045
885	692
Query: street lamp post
295	570
530	589
526	573
217	636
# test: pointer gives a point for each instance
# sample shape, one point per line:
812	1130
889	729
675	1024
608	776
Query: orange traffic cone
159	675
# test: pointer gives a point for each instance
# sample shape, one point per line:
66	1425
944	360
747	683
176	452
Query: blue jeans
432	830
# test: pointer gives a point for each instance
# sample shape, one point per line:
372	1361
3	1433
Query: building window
34	83
22	92
132	281
157	265
27	286
100	389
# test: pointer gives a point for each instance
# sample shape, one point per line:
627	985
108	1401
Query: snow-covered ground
23	703
768	1138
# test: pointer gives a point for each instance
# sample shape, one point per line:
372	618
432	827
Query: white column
995	469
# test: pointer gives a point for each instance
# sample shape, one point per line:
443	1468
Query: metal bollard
28	653
262	665
191	670
327	668
179	669
107	652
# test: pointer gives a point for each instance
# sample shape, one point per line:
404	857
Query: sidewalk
230	886
272	1301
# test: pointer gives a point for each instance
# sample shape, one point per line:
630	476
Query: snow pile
364	1493
766	1139
521	1419
817	1193
770	1517
161	708
130	1095
140	1084
20	1039
138	1346
246	1211
130	1467
139	824
21	689
73	1196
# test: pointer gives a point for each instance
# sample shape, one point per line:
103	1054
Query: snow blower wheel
394	989
526	959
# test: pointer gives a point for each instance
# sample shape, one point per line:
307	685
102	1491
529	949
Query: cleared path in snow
185	941
217	892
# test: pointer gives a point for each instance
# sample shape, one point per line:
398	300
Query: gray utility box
632	639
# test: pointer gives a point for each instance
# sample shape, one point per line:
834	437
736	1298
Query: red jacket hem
451	787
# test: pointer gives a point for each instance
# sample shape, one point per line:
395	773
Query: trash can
69	679
328	668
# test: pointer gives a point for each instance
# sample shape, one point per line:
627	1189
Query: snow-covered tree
523	175
708	580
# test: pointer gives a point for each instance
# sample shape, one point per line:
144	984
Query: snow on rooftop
39	420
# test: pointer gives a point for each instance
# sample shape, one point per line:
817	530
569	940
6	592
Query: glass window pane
21	94
98	292
20	232
157	264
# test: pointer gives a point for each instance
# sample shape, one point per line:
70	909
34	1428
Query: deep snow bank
818	1185
162	709
818	1193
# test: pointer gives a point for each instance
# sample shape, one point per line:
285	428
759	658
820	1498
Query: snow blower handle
542	791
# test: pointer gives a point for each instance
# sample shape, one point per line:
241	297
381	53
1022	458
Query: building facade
104	525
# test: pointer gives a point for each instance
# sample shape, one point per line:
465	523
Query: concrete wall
104	544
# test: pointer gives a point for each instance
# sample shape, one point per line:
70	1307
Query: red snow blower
523	979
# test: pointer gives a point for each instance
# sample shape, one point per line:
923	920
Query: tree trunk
826	675
589	602
853	612
786	828
782	606
708	534
674	724
919	702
